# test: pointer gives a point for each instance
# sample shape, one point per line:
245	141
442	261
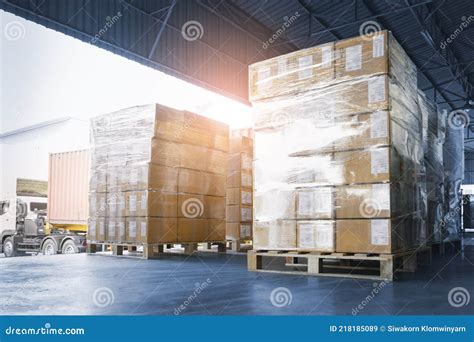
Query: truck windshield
37	206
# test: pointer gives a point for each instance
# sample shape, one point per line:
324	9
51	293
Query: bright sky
45	74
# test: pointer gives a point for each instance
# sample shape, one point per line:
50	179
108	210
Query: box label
317	201
379	161
111	228
263	79
379	232
378	46
93	203
143	202
305	235
379	125
101	228
132	203
246	162
282	66
246	180
121	201
245	230
376	91
113	203
381	196
143	229
246	197
92	228
326	57
132	229
305	67
121	229
144	170
354	58
246	214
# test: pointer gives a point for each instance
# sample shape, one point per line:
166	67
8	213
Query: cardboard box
115	229
151	203
201	206
241	144
163	178
239	213
98	181
279	234
239	196
97	205
193	230
216	230
292	73
116	204
240	161
364	201
315	203
375	235
379	53
96	229
237	179
201	183
366	166
151	230
318	235
361	56
238	231
275	205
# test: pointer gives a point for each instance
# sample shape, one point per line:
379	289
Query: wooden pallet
149	251
239	245
347	265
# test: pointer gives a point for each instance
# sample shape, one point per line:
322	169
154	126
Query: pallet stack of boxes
338	149
239	199
158	177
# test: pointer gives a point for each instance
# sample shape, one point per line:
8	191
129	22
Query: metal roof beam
371	17
427	76
162	28
321	22
435	37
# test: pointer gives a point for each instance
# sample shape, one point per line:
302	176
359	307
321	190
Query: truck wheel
69	247
8	248
49	248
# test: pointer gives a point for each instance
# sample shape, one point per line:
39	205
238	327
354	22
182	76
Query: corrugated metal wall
218	59
68	184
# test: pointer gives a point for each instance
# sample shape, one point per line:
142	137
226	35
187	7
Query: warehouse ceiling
212	42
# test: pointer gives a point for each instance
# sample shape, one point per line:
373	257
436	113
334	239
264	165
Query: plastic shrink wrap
338	160
158	175
453	155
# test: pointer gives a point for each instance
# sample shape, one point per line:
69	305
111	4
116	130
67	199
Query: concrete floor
96	285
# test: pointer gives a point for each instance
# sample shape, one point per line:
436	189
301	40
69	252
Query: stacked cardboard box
239	199
158	176
337	160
